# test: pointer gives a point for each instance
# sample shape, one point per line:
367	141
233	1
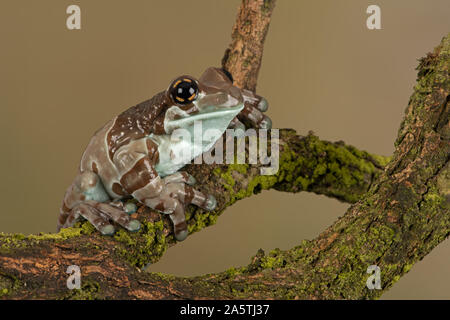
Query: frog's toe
239	130
210	203
265	123
117	215
90	212
130	207
181	235
133	226
263	105
107	230
191	180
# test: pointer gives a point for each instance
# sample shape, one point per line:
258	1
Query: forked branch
400	211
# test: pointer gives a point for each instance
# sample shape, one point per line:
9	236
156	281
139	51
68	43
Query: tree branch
403	215
306	164
243	57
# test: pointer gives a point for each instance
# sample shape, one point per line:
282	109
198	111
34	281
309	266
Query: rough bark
243	57
306	164
399	215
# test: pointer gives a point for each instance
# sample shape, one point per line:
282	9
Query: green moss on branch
306	164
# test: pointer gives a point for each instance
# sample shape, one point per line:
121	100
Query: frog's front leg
174	198
169	195
254	106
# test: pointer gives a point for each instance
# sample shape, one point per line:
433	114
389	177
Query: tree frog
133	155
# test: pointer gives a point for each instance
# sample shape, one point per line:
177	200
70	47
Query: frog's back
136	122
95	157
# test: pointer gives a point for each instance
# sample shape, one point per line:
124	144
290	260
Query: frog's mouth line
226	113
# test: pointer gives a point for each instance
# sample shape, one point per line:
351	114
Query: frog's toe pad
191	180
107	230
181	235
263	105
265	123
130	208
210	203
239	131
134	226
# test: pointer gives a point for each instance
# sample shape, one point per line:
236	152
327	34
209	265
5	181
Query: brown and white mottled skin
122	158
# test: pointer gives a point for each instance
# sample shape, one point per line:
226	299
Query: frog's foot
83	210
179	186
177	214
182	195
129	207
170	205
100	215
186	194
236	124
86	199
172	201
255	117
255	100
117	215
254	106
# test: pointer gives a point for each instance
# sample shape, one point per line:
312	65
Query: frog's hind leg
117	215
85	198
98	220
86	186
100	214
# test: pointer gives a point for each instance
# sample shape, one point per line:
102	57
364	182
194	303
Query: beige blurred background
323	70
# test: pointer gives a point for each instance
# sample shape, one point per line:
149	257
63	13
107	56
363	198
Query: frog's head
212	99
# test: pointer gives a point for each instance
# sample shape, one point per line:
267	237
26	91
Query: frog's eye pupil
184	91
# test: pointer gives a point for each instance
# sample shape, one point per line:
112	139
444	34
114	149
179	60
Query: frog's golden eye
183	90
